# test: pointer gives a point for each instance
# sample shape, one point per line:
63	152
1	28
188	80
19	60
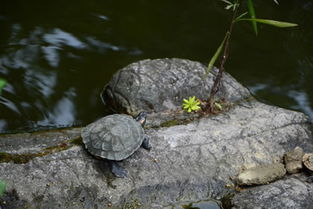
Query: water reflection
44	69
3	125
32	96
40	81
102	17
20	56
63	113
51	55
102	46
303	102
9	105
300	99
59	38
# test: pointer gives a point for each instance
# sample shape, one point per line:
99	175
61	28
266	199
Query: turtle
115	138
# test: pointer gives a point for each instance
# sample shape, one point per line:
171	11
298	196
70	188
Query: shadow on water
58	55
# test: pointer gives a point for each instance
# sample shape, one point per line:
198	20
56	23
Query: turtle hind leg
146	144
117	170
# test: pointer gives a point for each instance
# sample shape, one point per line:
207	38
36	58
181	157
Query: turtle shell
114	137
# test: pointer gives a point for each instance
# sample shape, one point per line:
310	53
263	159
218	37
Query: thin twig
217	82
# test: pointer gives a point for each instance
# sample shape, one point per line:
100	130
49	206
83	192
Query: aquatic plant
2	84
222	50
192	104
2	188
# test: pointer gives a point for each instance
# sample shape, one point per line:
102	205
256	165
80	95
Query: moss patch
15	158
76	141
135	204
25	158
170	123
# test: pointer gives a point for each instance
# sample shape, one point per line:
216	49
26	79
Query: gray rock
292	192
308	161
160	85
293	160
188	162
261	174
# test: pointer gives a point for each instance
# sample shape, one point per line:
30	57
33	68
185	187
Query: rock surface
293	160
262	174
187	162
160	85
308	161
293	192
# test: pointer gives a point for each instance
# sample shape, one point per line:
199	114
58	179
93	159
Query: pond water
57	55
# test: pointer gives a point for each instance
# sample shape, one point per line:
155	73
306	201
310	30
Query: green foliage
192	104
253	19
252	15
224	46
216	55
230	5
276	2
240	16
275	23
2	188
2	84
218	106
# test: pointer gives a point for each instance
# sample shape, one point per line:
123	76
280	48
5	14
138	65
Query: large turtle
115	138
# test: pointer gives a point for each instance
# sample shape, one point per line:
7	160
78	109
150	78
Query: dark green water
57	55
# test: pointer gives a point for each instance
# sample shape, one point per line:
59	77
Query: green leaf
228	7
240	16
216	55
195	108
252	15
218	106
227	2
275	23
2	188
2	84
276	2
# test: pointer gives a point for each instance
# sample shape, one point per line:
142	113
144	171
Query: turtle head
141	118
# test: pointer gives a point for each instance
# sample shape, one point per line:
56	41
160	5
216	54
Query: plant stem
217	82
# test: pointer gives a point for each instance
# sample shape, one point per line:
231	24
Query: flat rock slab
187	162
293	192
262	174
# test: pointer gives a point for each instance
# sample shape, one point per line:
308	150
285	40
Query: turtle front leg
117	170
146	144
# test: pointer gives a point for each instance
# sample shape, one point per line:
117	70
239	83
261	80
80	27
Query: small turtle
115	138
